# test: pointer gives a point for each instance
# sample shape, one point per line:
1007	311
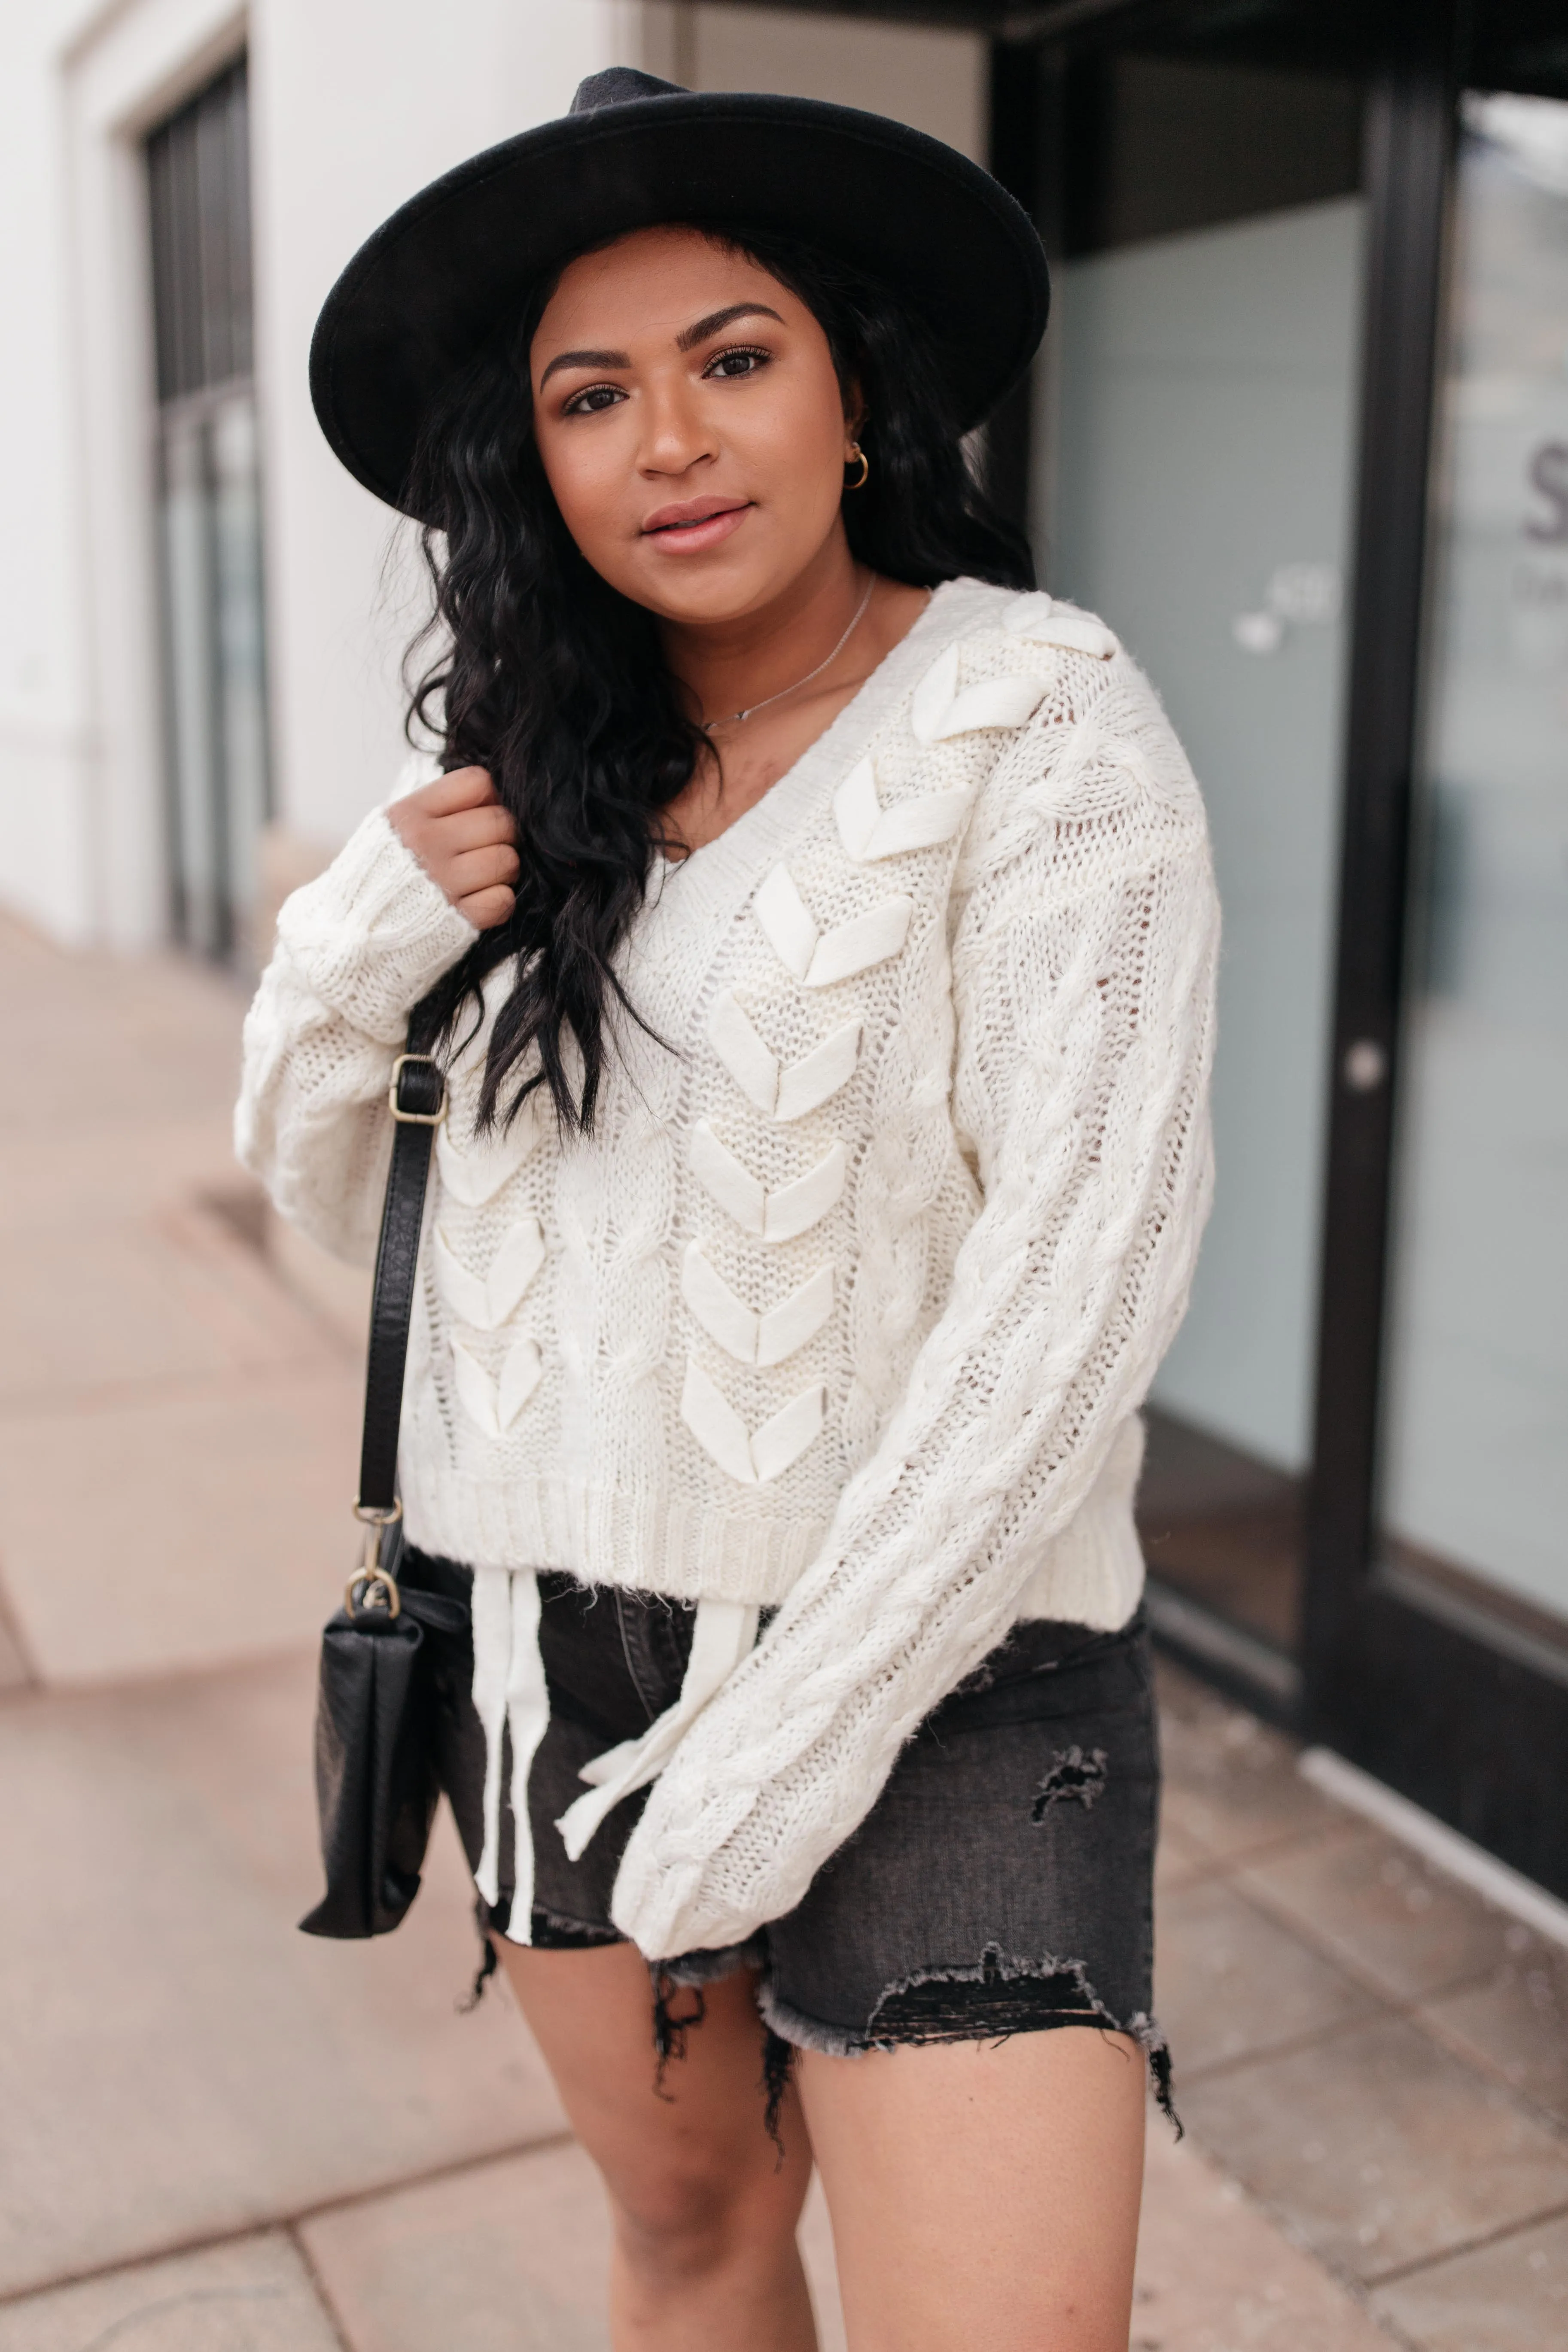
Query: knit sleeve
1083	976
356	950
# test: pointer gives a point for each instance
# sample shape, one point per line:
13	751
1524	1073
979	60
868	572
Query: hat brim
425	294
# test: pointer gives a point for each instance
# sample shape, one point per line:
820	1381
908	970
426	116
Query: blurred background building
1300	433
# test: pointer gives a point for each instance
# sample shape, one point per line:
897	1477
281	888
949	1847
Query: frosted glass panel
1476	1468
214	663
1201	502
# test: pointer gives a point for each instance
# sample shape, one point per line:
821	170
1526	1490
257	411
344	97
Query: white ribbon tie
509	1696
723	1632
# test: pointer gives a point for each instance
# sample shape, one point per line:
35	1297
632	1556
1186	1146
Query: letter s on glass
1548	472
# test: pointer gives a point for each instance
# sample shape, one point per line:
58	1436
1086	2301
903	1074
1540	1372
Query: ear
854	408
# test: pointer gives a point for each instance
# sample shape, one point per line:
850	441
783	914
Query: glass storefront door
1203	425
1475	1466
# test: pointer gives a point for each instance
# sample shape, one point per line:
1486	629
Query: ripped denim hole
999	1996
669	2030
1074	1778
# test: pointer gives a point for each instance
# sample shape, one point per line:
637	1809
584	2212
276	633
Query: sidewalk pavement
220	2136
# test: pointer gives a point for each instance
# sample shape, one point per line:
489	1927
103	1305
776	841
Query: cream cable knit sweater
851	1304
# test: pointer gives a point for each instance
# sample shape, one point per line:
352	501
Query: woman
808	1224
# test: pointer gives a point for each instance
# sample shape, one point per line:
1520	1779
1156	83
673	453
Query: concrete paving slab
180	1528
1378	2149
1215	2274
90	1170
1508	2297
1230	1983
501	2257
1515	2024
1382	1910
129	1037
1231	1784
169	1297
507	2257
1179	1859
252	2295
176	2060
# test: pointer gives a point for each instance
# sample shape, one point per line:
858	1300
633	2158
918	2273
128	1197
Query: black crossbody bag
375	1756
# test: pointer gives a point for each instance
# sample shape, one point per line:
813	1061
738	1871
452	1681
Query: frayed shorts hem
1023	2015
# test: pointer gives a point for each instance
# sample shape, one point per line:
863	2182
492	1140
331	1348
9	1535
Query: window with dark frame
209	518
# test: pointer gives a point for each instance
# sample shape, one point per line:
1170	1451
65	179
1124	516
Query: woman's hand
463	839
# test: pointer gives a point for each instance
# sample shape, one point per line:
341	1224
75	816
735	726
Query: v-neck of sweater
712	874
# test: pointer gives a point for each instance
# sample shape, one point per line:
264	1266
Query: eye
592	399
740	359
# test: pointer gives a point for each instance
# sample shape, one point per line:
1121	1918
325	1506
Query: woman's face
690	424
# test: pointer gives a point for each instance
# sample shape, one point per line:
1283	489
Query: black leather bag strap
417	1100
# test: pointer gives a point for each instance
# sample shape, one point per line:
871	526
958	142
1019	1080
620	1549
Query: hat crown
617	85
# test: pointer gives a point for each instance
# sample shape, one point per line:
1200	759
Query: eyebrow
585	360
690	337
687	340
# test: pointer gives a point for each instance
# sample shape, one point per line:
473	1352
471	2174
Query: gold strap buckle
370	1577
416	1118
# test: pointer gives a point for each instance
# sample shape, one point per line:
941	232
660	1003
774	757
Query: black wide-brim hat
426	294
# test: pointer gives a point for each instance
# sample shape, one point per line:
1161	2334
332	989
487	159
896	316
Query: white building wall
354	104
45	704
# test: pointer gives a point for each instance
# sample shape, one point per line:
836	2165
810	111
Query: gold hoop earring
856	451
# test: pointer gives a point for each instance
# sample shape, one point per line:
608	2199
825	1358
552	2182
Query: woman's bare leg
705	2257
983	2193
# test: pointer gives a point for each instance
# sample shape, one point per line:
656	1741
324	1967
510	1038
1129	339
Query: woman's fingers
477	828
478	869
460	788
463	837
485	908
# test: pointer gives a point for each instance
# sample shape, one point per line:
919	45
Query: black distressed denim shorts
1000	1884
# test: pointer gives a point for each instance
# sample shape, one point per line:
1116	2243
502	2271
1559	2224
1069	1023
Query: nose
676	434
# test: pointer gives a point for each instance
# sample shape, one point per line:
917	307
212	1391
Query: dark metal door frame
1471	1727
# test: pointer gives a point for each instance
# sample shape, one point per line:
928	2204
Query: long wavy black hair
556	683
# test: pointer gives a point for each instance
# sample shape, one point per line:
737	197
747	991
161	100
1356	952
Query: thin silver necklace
731	716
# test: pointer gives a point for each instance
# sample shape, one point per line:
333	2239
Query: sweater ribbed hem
1092	1574
609	1534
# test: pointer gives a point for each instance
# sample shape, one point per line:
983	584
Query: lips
691	515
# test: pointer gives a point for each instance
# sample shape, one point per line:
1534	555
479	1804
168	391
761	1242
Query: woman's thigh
683	2148
983	2193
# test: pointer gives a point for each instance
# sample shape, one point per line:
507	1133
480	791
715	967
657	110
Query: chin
721	595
